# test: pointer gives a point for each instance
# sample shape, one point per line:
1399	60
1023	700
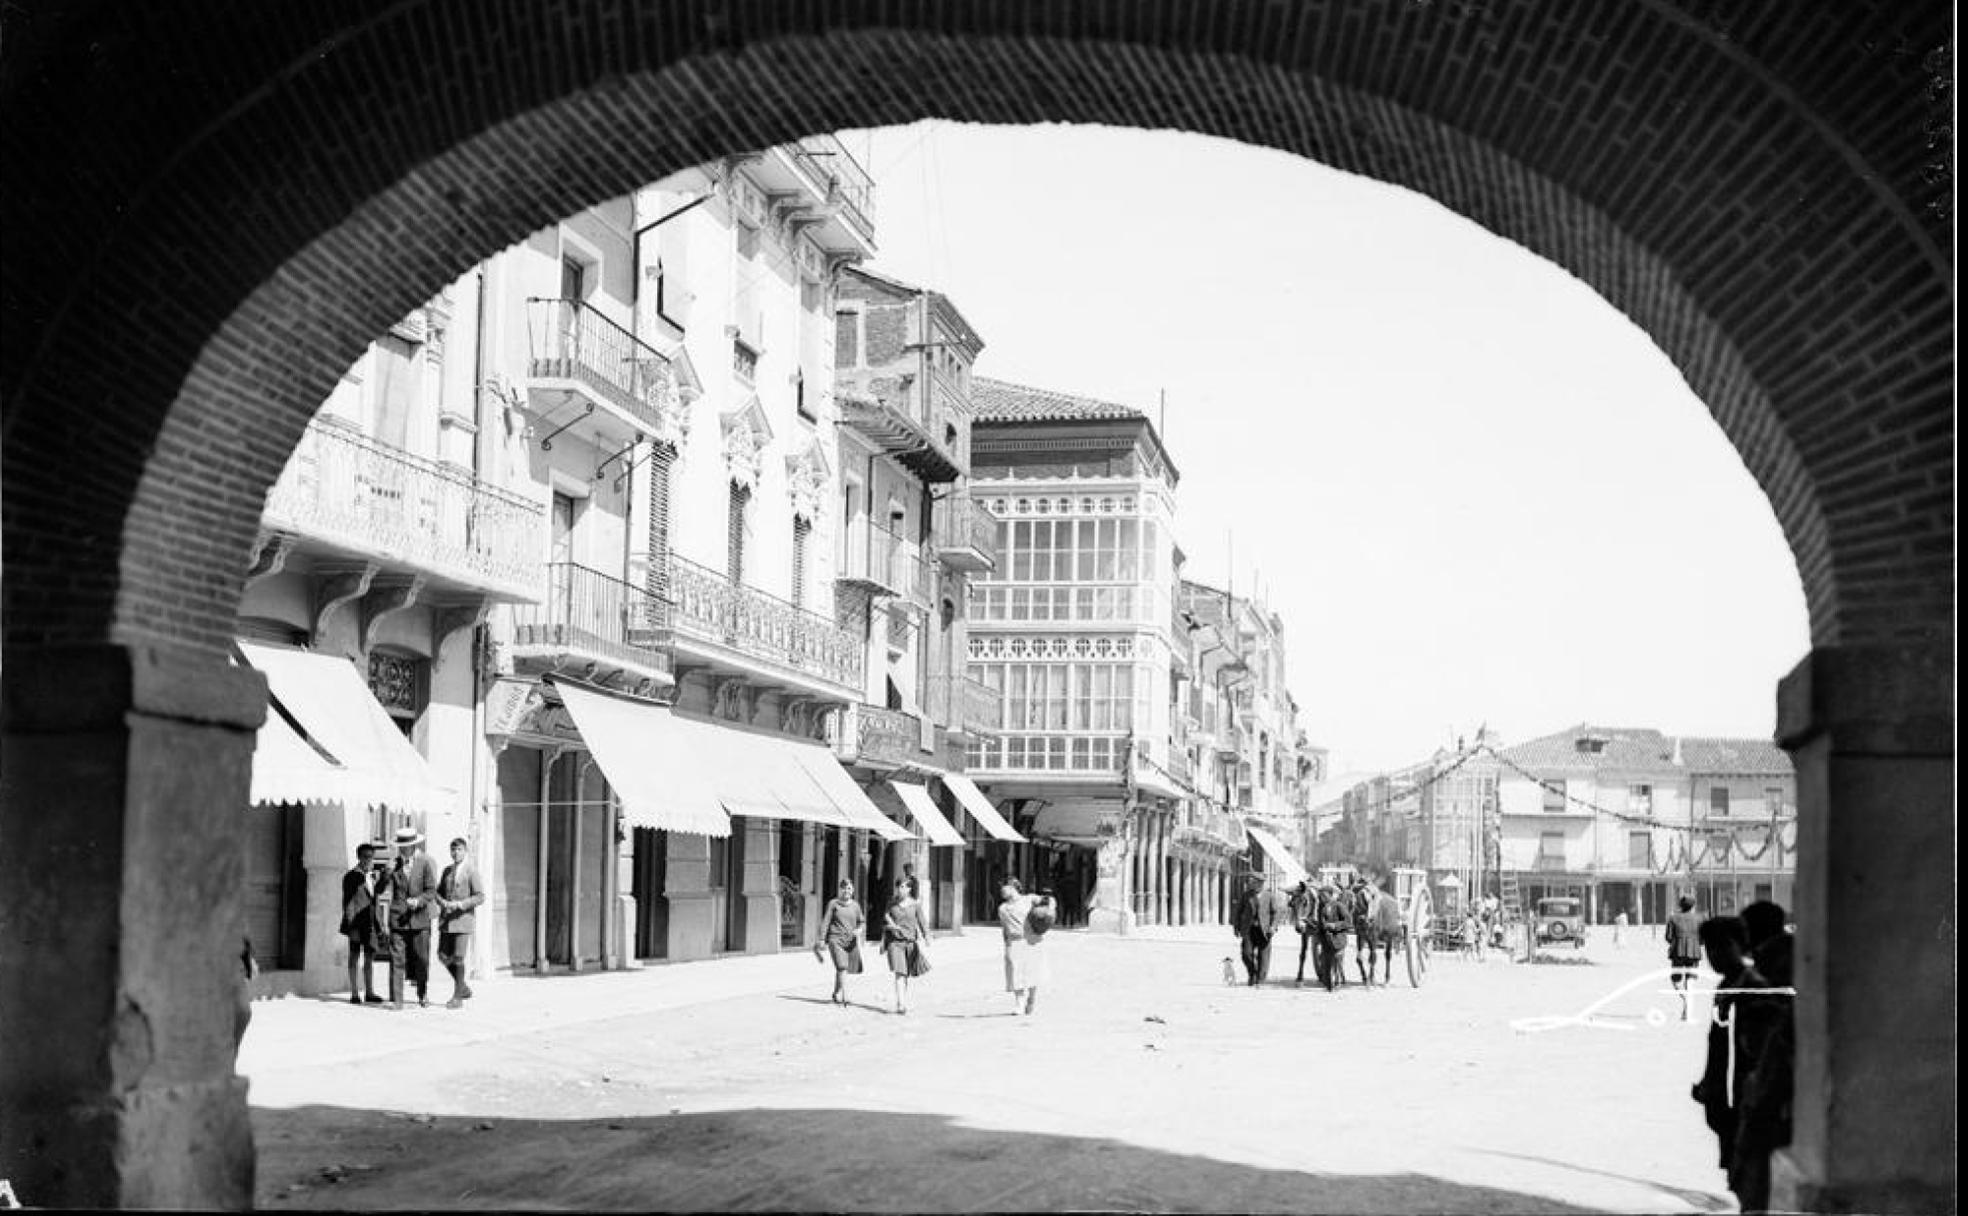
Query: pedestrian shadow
830	1160
821	1000
1706	1201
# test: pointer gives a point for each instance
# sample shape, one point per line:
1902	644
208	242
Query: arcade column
1871	734
121	1000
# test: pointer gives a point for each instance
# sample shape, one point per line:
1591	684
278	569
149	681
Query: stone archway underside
210	208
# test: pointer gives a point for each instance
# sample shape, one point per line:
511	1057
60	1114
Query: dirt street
1142	1083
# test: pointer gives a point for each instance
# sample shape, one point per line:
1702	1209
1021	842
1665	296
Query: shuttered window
662	462
741	497
802	531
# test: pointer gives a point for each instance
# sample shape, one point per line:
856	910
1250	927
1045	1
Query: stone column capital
1872	700
83	687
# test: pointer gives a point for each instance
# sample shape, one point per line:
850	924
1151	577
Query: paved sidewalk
326	1030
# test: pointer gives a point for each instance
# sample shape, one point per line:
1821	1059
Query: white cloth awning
847	794
762	777
652	759
332	703
287	769
923	809
980	807
1275	849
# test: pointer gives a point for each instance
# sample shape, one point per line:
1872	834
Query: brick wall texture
210	207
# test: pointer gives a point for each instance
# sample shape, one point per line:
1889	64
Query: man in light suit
413	906
458	892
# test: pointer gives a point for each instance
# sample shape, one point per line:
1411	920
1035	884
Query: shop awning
330	701
1280	857
762	777
980	807
923	808
847	795
651	758
287	769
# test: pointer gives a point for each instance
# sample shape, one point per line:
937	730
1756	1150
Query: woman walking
840	932
1025	959
903	933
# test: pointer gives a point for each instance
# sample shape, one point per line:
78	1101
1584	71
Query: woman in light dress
1026	968
904	930
840	932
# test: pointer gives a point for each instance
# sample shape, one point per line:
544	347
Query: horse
1377	927
1321	921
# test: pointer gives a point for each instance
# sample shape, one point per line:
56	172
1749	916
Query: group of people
1024	920
1322	913
1745	1088
389	910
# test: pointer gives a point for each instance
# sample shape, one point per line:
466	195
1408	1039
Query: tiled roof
1626	749
997	401
1744	756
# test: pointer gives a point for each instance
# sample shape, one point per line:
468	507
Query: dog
1230	971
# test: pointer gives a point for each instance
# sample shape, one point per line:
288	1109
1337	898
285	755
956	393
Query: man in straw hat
413	906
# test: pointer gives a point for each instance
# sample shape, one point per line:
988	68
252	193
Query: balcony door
560	560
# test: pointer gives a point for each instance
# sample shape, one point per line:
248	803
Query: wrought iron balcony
597	617
884	563
577	352
871	734
826	161
359	495
966	706
763	630
966	534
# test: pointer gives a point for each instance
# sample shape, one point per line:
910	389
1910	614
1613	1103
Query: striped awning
1274	849
980	807
365	760
922	808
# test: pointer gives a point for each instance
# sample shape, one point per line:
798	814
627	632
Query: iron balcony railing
589	612
826	162
874	555
762	627
963	526
967	705
361	494
569	340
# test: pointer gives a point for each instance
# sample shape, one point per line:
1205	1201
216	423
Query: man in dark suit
360	926
1258	916
1684	949
413	906
458	892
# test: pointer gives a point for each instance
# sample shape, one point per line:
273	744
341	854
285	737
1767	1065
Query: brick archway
226	207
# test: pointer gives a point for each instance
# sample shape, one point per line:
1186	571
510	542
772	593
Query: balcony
965	706
886	738
966	535
884	564
817	184
361	497
894	432
1545	863
591	618
578	356
736	623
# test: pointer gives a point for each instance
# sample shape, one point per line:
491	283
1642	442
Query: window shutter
801	531
662	461
735	532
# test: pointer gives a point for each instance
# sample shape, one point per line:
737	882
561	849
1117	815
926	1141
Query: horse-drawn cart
1417	915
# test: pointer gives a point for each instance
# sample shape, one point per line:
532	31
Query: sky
1474	492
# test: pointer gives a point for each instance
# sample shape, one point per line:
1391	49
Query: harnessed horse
1378	929
1322	922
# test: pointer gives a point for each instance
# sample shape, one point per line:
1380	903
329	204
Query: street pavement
1143	1082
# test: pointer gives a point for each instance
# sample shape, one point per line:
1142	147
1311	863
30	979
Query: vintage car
1561	920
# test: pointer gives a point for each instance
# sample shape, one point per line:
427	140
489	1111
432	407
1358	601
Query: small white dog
1230	970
